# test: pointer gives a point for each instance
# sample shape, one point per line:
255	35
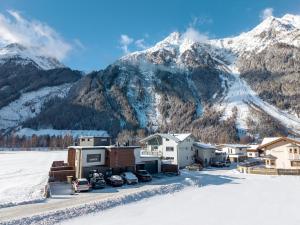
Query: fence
268	171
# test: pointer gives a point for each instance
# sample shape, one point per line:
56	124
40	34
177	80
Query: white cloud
140	43
194	35
197	20
33	34
125	41
267	12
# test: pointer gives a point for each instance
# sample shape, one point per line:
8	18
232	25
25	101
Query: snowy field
23	175
217	197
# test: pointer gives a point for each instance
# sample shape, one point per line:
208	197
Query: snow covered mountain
27	81
22	55
220	89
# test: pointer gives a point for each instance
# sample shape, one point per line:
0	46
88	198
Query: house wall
186	152
234	151
281	151
81	160
71	157
206	155
94	141
252	154
142	160
120	158
182	154
170	155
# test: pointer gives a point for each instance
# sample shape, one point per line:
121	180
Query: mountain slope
221	90
28	81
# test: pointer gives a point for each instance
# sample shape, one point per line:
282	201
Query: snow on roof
174	137
204	145
182	136
253	146
269	139
235	146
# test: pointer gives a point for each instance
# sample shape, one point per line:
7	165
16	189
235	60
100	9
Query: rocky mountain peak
22	55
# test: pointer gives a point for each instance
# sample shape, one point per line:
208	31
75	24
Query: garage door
151	166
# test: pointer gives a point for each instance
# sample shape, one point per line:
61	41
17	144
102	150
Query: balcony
294	157
147	153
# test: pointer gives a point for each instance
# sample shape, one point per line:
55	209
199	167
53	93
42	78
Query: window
90	158
167	139
89	139
103	139
155	147
291	150
272	162
169	158
295	151
169	149
187	158
82	139
250	154
295	163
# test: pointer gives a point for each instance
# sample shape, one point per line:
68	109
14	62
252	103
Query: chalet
174	149
204	153
281	153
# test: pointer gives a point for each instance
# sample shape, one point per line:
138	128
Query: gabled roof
275	140
272	157
268	140
234	145
204	145
174	137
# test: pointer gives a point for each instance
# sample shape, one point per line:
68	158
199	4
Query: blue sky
92	29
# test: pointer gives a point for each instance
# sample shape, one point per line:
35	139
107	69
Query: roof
103	147
272	157
204	145
105	135
234	146
174	137
269	139
275	140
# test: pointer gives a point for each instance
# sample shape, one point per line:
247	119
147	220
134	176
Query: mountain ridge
212	87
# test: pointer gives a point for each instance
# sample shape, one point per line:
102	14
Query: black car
115	180
143	175
97	181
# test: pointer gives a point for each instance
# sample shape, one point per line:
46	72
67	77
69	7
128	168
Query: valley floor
226	197
210	197
24	174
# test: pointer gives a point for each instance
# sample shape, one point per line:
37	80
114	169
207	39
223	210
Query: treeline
55	142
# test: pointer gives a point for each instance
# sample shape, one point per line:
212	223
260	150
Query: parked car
81	185
129	178
143	175
97	180
115	180
218	164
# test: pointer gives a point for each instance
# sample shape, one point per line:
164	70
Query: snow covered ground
226	197
24	174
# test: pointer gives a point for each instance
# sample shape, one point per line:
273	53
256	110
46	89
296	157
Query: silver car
129	178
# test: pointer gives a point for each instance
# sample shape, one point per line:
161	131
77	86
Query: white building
281	153
172	148
205	153
235	152
253	151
